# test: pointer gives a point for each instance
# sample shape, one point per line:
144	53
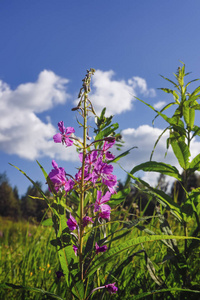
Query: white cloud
116	95
140	84
159	105
144	137
21	131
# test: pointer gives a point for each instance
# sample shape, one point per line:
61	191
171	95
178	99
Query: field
29	259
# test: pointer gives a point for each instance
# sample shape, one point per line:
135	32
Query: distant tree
31	205
9	203
16	192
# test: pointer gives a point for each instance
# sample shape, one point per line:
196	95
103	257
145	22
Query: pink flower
64	136
100	249
105	214
75	249
102	171
71	222
59	180
86	220
112	289
99	204
107	145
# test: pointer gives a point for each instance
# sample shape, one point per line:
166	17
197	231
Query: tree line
30	207
24	207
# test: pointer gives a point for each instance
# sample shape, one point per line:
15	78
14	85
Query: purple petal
109	155
68	142
57	138
69	130
71	222
86	220
108	144
69	185
54	164
75	249
112	289
61	127
100	249
105	198
105	207
105	215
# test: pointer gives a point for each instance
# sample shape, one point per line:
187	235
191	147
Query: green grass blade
144	295
112	253
29	288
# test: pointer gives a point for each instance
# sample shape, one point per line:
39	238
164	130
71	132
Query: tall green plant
182	128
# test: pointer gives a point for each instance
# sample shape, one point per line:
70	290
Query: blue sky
46	47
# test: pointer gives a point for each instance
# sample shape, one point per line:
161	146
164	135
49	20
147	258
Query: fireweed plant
93	185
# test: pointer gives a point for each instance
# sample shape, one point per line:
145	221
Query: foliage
182	130
29	206
98	249
9	204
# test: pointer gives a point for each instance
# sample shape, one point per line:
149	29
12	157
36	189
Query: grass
29	259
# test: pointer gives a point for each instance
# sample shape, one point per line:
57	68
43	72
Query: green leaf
69	261
125	263
146	294
169	91
121	155
196	106
191	117
51	186
195	163
186	112
158	139
196	91
29	288
162	197
35	185
170	81
163	109
107	131
153	166
119	197
48	222
113	252
190	82
172	121
182	152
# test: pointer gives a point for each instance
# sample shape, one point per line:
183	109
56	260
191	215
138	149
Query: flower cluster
97	170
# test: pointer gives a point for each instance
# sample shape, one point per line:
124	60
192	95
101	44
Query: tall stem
84	107
82	184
